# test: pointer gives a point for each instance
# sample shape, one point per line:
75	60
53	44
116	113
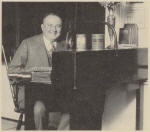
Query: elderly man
36	51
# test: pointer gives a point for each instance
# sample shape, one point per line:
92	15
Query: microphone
69	37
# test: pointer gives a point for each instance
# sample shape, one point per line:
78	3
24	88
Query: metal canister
81	42
98	41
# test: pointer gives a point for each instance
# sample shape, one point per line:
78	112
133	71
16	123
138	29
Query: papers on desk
19	75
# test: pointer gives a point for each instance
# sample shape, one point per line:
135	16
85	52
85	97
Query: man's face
51	27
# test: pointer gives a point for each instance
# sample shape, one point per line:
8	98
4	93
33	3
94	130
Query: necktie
51	49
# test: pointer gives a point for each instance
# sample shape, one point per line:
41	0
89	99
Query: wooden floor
9	125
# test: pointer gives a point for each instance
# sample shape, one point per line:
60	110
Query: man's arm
20	58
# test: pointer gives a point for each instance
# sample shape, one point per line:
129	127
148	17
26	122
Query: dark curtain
23	19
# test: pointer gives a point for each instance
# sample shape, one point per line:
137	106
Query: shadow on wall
120	109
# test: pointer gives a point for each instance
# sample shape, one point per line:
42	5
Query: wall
7	106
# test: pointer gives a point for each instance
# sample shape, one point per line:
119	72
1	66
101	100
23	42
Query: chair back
13	86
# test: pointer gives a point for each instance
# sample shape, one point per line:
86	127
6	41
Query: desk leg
139	106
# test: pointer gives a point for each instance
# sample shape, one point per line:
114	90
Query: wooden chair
14	91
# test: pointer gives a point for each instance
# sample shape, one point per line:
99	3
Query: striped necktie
53	48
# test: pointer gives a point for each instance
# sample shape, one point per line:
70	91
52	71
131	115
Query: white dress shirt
49	46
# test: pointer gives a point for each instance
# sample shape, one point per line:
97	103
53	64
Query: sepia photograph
75	65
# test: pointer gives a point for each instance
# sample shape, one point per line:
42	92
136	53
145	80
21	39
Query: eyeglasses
51	26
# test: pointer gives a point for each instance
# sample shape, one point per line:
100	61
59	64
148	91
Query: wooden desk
92	72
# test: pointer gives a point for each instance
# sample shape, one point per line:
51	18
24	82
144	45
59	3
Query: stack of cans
98	42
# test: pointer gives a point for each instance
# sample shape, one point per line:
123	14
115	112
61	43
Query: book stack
40	74
41	77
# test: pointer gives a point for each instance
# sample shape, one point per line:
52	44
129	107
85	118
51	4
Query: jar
81	42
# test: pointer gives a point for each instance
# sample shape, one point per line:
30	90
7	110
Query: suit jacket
32	53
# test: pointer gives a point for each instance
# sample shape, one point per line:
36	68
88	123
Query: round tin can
81	42
98	41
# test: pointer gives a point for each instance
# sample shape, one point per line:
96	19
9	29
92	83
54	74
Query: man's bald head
51	26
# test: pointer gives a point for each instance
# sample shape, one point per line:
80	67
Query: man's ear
42	26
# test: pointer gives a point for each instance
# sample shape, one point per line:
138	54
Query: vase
111	21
